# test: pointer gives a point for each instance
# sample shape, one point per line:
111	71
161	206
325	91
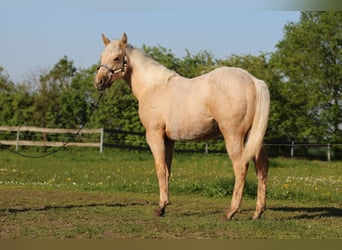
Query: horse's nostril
99	83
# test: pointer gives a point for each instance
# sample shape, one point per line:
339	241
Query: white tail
259	126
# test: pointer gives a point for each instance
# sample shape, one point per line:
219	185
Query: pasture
79	193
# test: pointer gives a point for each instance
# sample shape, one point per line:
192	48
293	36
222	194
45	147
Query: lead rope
66	143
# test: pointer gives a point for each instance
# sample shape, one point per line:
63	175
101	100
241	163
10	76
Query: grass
84	194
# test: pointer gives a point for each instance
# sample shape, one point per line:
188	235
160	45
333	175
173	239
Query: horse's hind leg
240	172
162	150
261	167
235	148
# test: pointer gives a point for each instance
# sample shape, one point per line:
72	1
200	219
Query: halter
113	71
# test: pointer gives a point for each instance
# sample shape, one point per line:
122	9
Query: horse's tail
256	134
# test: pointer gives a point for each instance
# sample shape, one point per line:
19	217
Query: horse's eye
116	59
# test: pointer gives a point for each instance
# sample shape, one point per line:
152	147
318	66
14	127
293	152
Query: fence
136	141
321	151
47	142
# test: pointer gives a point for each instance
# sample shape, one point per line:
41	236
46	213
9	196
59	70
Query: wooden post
17	140
101	140
328	152
206	148
292	149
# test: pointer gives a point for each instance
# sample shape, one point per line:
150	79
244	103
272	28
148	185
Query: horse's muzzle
102	81
102	84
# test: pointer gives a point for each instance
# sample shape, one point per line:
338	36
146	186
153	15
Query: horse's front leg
162	150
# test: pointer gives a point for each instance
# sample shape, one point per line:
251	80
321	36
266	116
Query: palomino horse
226	100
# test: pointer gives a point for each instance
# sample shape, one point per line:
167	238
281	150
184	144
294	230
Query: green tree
22	105
188	66
163	56
47	99
6	85
15	102
195	65
77	99
6	98
309	59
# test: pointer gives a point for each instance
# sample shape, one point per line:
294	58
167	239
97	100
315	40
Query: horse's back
232	78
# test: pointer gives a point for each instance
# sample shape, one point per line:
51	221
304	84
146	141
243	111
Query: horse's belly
183	130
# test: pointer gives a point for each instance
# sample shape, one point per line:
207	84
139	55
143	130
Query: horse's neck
144	73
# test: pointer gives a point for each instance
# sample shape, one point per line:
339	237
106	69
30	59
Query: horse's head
113	62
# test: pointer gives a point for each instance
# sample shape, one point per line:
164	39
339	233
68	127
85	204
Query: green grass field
83	194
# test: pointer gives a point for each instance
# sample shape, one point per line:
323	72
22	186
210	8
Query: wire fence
292	149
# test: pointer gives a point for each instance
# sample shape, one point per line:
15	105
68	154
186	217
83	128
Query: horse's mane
153	72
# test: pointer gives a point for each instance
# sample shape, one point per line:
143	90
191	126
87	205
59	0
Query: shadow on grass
310	212
71	206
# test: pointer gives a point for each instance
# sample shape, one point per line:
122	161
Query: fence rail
136	141
44	143
323	150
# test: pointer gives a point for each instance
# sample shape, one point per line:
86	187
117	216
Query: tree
15	102
309	59
5	84
47	105
163	56
77	99
195	65
6	98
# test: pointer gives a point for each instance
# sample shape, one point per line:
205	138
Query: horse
227	100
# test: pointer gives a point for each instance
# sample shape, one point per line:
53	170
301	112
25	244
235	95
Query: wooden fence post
101	140
292	149
328	152
17	140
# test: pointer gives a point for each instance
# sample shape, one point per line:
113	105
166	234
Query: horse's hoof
230	214
225	218
257	214
256	217
159	212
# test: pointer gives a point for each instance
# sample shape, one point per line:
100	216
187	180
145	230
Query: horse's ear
105	40
123	41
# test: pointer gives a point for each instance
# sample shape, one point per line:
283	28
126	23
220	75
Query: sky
35	34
